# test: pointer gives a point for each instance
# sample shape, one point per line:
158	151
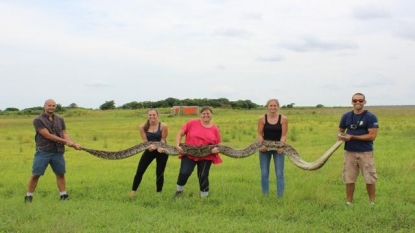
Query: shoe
348	203
372	204
64	197
28	199
204	194
178	194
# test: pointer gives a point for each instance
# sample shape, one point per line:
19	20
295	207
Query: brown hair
206	108
147	124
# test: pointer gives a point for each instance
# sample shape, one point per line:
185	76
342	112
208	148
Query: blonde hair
273	100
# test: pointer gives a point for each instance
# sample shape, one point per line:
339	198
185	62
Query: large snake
292	154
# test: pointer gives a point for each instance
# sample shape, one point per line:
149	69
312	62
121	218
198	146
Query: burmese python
292	154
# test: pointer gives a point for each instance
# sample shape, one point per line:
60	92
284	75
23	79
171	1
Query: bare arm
74	145
370	136
261	123
143	133
179	136
65	139
164	132
284	125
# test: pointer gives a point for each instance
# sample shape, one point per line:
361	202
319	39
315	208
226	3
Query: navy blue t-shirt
358	124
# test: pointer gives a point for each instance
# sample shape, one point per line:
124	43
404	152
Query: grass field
314	201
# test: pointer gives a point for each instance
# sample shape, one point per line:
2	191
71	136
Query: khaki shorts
355	161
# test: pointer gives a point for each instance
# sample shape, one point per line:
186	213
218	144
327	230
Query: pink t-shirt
198	135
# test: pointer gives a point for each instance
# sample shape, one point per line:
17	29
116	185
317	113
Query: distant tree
132	105
224	103
107	105
290	105
161	104
148	104
12	109
73	105
319	106
190	102
172	102
59	108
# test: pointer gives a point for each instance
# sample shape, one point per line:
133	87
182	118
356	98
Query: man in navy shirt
358	129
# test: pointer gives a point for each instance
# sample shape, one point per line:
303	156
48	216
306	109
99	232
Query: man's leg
33	180
350	192
371	191
60	181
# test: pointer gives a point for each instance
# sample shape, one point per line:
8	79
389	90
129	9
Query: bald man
51	138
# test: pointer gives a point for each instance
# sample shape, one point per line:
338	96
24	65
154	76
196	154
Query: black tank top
154	137
272	132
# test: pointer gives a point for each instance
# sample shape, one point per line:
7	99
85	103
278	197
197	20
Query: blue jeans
264	163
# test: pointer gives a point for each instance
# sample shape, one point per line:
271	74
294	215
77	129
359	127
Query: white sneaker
348	203
204	194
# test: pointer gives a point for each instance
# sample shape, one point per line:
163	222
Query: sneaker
348	203
204	194
178	194
372	204
64	197
28	199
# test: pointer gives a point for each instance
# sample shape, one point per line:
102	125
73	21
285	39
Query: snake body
201	151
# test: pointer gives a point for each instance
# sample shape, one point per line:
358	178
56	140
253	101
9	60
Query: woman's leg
279	172
203	168
144	162
186	168
161	160
264	162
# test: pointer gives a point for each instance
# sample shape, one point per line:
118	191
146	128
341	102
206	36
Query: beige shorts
355	161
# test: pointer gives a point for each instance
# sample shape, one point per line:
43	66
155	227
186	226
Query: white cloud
98	83
370	13
316	44
297	51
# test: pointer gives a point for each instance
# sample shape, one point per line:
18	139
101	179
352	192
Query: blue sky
302	52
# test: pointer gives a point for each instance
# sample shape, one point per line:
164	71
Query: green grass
313	201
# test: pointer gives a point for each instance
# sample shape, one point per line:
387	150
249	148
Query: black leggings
145	160
186	168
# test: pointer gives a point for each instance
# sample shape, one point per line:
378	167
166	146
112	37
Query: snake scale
291	153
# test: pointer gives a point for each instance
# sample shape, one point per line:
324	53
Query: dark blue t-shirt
358	124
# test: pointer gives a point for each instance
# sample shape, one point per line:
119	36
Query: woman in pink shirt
199	132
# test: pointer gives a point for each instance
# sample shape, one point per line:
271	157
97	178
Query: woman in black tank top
273	127
152	131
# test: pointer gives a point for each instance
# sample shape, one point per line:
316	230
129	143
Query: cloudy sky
304	52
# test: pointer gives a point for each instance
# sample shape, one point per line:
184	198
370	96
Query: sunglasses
360	101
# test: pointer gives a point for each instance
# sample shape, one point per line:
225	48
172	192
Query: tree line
170	102
167	103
